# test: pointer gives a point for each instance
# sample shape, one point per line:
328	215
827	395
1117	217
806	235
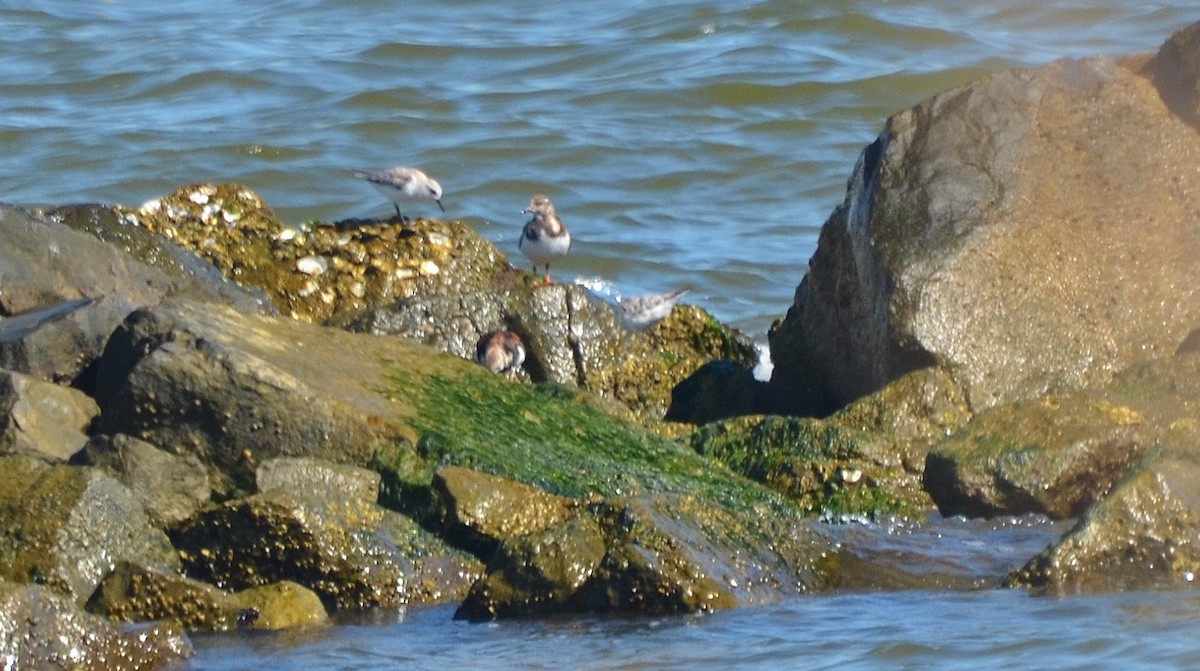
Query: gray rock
42	419
1027	232
65	290
555	322
235	390
44	630
67	526
170	487
320	478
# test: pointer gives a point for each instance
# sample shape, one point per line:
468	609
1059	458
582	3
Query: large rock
67	526
65	290
40	629
234	390
1029	232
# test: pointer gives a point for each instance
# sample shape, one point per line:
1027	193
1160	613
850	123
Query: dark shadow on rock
1175	71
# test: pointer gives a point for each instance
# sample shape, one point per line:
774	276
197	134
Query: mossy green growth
825	468
566	447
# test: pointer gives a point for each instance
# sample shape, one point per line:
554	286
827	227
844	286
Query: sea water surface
685	142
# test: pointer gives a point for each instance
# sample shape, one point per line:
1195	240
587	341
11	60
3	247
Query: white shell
312	265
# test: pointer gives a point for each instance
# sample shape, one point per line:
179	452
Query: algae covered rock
867	459
41	629
571	337
1143	535
674	525
353	553
67	526
1062	454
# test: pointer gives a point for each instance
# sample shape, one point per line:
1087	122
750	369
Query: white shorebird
544	239
403	184
500	352
640	312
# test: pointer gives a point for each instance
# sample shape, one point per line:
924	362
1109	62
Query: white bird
403	184
640	312
544	239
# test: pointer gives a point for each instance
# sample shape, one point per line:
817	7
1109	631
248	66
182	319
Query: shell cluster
315	271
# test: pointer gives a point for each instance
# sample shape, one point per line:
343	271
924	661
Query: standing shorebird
545	239
639	312
402	184
500	352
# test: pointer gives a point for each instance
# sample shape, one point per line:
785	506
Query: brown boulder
1030	232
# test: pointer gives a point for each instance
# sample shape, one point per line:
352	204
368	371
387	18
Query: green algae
825	468
565	447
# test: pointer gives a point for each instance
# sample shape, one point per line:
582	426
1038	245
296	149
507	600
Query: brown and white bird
500	352
544	239
403	184
639	312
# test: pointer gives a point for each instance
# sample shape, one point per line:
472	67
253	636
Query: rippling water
906	630
684	141
966	629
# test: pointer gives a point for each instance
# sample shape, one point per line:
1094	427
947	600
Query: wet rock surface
866	460
65	527
43	629
131	593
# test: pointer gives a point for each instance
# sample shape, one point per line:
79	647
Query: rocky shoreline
212	421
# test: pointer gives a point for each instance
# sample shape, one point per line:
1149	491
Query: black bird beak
439	202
